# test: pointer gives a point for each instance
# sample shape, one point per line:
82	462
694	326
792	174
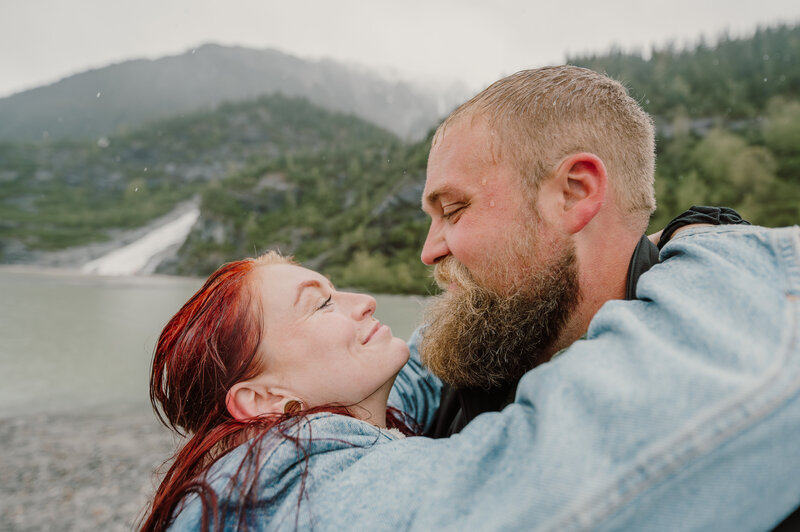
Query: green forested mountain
733	78
63	193
343	195
123	96
352	212
337	192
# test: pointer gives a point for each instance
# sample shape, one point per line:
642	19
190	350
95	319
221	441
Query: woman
265	358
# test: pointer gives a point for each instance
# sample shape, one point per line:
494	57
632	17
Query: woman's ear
250	399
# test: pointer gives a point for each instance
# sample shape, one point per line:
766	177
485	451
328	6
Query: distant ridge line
102	101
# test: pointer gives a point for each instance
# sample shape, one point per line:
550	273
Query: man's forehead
461	151
445	177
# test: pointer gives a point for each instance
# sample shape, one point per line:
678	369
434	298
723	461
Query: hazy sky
475	41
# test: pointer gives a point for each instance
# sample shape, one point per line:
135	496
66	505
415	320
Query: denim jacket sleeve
680	411
416	391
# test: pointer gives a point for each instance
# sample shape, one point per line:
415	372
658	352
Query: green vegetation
728	117
276	172
753	171
342	195
65	194
352	212
735	78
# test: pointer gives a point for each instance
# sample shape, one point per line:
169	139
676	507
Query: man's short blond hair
543	115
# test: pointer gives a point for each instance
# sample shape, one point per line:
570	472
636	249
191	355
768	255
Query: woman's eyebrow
305	284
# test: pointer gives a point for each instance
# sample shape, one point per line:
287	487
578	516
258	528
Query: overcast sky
475	41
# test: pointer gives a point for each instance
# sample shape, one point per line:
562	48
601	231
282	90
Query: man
679	411
539	191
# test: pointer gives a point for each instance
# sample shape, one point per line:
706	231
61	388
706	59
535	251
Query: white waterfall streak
133	258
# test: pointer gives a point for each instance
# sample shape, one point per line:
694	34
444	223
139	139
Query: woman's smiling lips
375	329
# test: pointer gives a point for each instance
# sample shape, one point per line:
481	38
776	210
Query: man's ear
249	399
582	183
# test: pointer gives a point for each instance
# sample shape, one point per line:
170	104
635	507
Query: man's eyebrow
433	196
305	284
430	199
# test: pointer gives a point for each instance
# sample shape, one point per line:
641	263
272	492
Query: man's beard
478	338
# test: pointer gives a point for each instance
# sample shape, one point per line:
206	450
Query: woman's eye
325	304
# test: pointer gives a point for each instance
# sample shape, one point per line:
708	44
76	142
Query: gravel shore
79	472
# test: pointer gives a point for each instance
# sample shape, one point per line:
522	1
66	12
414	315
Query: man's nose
435	248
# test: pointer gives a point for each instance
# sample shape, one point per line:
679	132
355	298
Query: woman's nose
363	306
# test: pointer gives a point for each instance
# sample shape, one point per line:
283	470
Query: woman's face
324	346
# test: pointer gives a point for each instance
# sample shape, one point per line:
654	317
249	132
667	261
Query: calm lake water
72	341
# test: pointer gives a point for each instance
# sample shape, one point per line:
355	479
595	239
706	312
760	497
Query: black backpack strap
701	214
791	523
645	255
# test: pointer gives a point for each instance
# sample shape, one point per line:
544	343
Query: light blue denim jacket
680	411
